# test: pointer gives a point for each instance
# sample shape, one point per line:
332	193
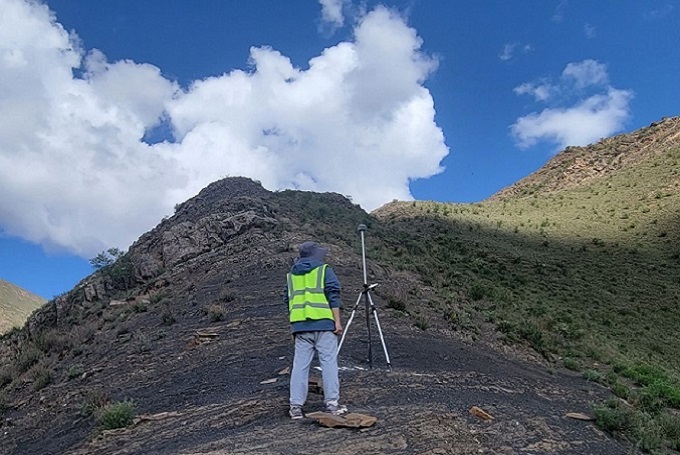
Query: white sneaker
335	408
295	412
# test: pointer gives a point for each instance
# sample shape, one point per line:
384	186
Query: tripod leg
368	328
349	322
380	332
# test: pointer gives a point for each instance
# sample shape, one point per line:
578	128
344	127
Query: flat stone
479	412
580	416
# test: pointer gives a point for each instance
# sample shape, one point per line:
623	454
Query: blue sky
113	112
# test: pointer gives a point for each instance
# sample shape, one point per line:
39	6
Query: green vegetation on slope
588	275
16	305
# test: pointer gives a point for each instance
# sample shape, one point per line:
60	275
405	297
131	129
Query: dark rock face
190	326
222	211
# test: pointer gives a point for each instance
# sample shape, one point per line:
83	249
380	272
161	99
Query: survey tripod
365	294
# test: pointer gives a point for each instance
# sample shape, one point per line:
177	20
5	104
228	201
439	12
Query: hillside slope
16	305
582	260
579	260
190	326
577	166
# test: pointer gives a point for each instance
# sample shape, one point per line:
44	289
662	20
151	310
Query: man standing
313	297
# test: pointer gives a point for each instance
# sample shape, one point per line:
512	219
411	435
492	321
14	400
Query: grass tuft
116	415
215	313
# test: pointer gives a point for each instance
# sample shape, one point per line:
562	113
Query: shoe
295	412
335	408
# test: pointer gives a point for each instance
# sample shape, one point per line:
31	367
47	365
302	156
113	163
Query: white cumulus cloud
585	108
510	49
540	91
76	174
586	73
586	122
331	12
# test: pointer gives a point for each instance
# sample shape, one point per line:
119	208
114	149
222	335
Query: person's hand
338	328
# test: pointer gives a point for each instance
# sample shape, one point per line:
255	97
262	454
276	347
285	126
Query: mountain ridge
482	305
575	165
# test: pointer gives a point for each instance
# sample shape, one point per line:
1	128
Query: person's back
312	295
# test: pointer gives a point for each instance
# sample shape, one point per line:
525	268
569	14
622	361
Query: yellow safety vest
306	299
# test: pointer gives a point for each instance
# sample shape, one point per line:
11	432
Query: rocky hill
479	309
16	305
576	166
189	326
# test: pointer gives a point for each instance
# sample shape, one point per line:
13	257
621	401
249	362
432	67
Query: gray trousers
326	345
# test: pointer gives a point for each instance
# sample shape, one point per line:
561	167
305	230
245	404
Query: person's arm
332	291
338	322
286	301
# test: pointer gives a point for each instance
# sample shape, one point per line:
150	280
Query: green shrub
508	328
648	431
536	338
657	395
116	415
672	395
3	404
614	417
657	390
42	377
670	425
227	296
647	434
621	390
396	304
53	341
139	307
641	373
26	358
75	370
593	375
167	318
477	291
6	376
142	341
215	313
421	322
157	298
94	400
571	364
453	317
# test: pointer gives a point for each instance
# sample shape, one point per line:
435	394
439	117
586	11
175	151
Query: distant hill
582	166
482	304
580	259
16	305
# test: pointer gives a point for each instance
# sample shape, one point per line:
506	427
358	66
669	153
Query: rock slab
351	420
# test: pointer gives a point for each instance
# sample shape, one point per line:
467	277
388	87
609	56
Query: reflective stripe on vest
306	299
